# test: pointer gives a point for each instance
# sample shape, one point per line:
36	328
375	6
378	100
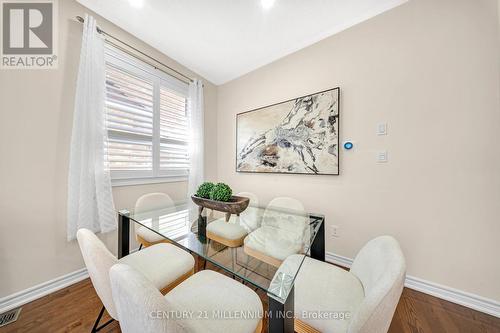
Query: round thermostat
348	145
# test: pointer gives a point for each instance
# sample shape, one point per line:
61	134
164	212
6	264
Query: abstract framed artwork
298	136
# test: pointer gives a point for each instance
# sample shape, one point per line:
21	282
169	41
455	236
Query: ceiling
224	39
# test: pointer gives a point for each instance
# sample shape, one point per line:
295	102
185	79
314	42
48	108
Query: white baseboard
338	260
453	295
28	295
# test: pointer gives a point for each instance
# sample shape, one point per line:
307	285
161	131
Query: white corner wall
430	69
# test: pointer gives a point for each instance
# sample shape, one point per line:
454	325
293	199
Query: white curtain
196	155
90	200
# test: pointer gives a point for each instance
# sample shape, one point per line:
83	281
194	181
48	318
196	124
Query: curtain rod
99	30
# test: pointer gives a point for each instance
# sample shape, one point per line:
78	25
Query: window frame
128	63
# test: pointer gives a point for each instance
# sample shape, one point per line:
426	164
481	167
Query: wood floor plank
72	309
75	308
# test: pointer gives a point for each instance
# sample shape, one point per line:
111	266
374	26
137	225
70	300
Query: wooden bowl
235	205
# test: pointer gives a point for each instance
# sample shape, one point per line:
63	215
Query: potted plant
219	197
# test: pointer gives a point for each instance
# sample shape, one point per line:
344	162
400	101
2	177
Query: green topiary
204	190
221	192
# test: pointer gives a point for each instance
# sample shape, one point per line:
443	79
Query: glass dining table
272	235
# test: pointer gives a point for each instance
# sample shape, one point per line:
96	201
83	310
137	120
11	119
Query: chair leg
232	249
247	265
95	328
140	247
208	248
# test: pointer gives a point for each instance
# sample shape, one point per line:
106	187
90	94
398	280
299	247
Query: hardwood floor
72	309
418	312
75	308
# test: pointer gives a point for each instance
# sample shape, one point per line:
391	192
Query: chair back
380	266
152	201
98	261
140	306
287	214
251	217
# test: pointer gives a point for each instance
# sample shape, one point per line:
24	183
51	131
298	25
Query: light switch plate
382	129
382	156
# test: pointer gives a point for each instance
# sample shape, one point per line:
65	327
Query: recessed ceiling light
266	4
136	3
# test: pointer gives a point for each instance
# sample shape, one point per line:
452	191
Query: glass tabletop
263	247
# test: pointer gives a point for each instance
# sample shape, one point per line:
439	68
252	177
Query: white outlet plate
334	231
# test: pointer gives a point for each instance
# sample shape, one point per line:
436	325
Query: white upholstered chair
165	265
363	299
202	303
148	202
232	233
282	233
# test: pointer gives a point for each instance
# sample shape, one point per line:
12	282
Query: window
146	119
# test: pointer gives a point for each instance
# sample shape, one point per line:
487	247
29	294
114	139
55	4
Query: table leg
281	315
123	236
318	246
202	225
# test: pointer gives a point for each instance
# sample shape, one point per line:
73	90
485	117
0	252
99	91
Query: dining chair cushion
228	305
325	289
230	230
148	235
161	263
274	242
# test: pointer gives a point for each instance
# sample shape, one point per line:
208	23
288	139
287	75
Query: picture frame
297	136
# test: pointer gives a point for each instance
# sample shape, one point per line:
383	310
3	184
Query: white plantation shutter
146	120
173	131
129	107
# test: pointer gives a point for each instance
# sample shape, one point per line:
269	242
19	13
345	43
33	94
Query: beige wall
430	69
36	108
